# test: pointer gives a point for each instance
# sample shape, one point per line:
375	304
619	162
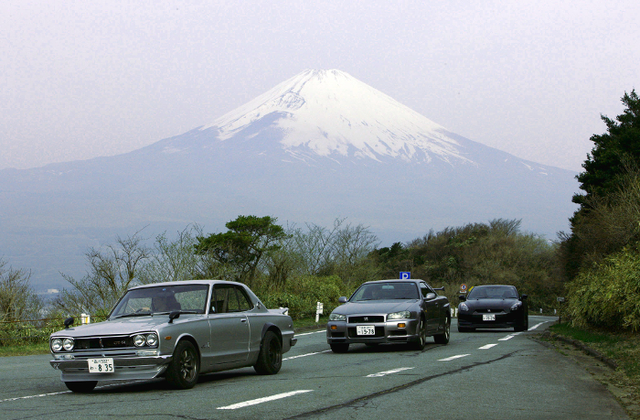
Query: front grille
103	342
363	319
490	311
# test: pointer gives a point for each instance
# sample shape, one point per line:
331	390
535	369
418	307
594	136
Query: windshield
493	292
380	291
166	299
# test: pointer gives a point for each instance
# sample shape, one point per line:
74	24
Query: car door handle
243	320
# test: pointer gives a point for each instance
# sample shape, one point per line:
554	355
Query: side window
243	300
425	289
229	298
220	299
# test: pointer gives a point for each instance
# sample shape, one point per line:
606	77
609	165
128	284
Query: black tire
81	387
185	366
421	340
270	357
446	335
524	326
339	347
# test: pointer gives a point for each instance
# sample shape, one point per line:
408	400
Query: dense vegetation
599	255
595	265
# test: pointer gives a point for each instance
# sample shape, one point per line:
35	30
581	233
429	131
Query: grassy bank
621	348
618	350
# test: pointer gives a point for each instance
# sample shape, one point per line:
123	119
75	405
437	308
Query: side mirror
523	297
173	315
430	296
462	298
68	322
342	299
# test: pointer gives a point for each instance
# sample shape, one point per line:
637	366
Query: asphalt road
479	375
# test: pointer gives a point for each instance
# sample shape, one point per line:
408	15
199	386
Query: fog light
402	325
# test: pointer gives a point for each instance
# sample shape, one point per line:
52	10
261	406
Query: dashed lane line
264	400
305	355
448	359
388	372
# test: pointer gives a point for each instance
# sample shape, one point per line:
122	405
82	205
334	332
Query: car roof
393	281
185	282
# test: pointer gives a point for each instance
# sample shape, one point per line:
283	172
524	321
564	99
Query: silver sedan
390	311
174	330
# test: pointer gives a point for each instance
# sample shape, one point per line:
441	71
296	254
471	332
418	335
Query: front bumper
396	331
75	367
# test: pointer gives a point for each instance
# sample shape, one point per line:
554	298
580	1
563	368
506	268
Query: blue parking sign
405	275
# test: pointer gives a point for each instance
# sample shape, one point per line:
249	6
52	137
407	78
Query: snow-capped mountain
316	147
328	112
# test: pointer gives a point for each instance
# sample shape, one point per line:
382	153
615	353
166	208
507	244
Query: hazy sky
80	79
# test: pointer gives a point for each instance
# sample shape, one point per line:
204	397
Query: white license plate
101	365
489	317
365	330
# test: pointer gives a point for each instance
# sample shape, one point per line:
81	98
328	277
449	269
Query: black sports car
493	306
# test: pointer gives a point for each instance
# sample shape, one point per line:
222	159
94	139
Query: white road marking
305	355
34	396
388	372
487	347
309	333
509	337
448	359
263	400
51	394
536	326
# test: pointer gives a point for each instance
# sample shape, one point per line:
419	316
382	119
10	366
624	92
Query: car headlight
399	315
56	344
463	307
152	340
68	344
337	317
516	306
139	340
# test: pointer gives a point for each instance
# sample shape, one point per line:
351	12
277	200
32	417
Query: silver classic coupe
390	311
174	330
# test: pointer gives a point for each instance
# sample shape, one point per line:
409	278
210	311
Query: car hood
376	307
122	326
503	304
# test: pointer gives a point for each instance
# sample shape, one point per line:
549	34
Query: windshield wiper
133	314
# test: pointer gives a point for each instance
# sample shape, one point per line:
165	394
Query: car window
162	299
493	292
382	291
229	298
425	289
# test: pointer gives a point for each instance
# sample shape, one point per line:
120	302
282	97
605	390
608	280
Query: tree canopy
613	154
242	247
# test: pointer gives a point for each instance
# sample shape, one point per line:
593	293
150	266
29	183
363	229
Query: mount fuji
319	146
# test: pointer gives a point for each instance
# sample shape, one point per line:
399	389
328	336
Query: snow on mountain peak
329	111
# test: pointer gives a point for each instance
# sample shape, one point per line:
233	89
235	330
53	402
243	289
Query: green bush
302	294
607	295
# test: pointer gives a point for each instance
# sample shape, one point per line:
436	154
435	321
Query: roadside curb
580	345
